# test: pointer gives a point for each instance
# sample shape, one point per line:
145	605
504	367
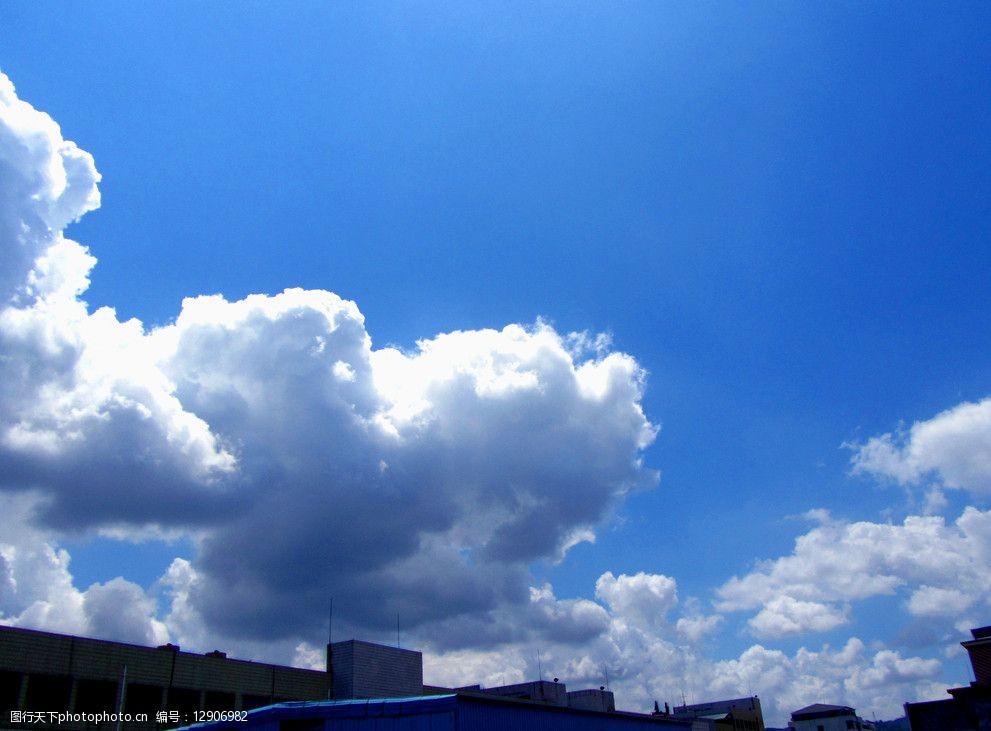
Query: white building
823	717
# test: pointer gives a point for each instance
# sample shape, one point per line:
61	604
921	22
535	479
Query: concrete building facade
366	670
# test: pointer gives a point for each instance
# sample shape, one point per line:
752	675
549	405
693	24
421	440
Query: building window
10	690
48	693
93	696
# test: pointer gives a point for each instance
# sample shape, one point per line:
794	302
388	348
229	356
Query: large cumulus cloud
306	463
431	477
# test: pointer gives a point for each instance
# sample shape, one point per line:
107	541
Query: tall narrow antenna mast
397	631
330	652
540	675
121	693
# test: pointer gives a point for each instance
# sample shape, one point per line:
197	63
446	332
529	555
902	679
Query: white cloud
121	610
307	463
85	417
643	661
934	601
644	598
878	682
695	625
954	447
844	562
889	668
785	615
466	667
47	183
568	620
37	589
494	458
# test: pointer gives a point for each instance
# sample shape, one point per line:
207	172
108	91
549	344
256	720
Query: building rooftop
821	710
981	633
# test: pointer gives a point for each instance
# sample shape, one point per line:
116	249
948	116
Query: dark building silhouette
969	709
44	671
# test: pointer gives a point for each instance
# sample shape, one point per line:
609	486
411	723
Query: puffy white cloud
627	643
695	625
844	562
954	447
784	615
120	609
85	417
643	661
307	463
488	668
568	620
878	682
492	455
37	588
47	183
934	601
644	598
889	668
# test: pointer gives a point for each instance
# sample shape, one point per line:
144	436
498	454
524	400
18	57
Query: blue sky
780	212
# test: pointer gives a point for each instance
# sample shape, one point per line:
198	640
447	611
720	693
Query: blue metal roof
413	705
452	712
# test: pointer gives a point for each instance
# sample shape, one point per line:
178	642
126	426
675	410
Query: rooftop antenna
540	675
605	670
122	691
397	631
